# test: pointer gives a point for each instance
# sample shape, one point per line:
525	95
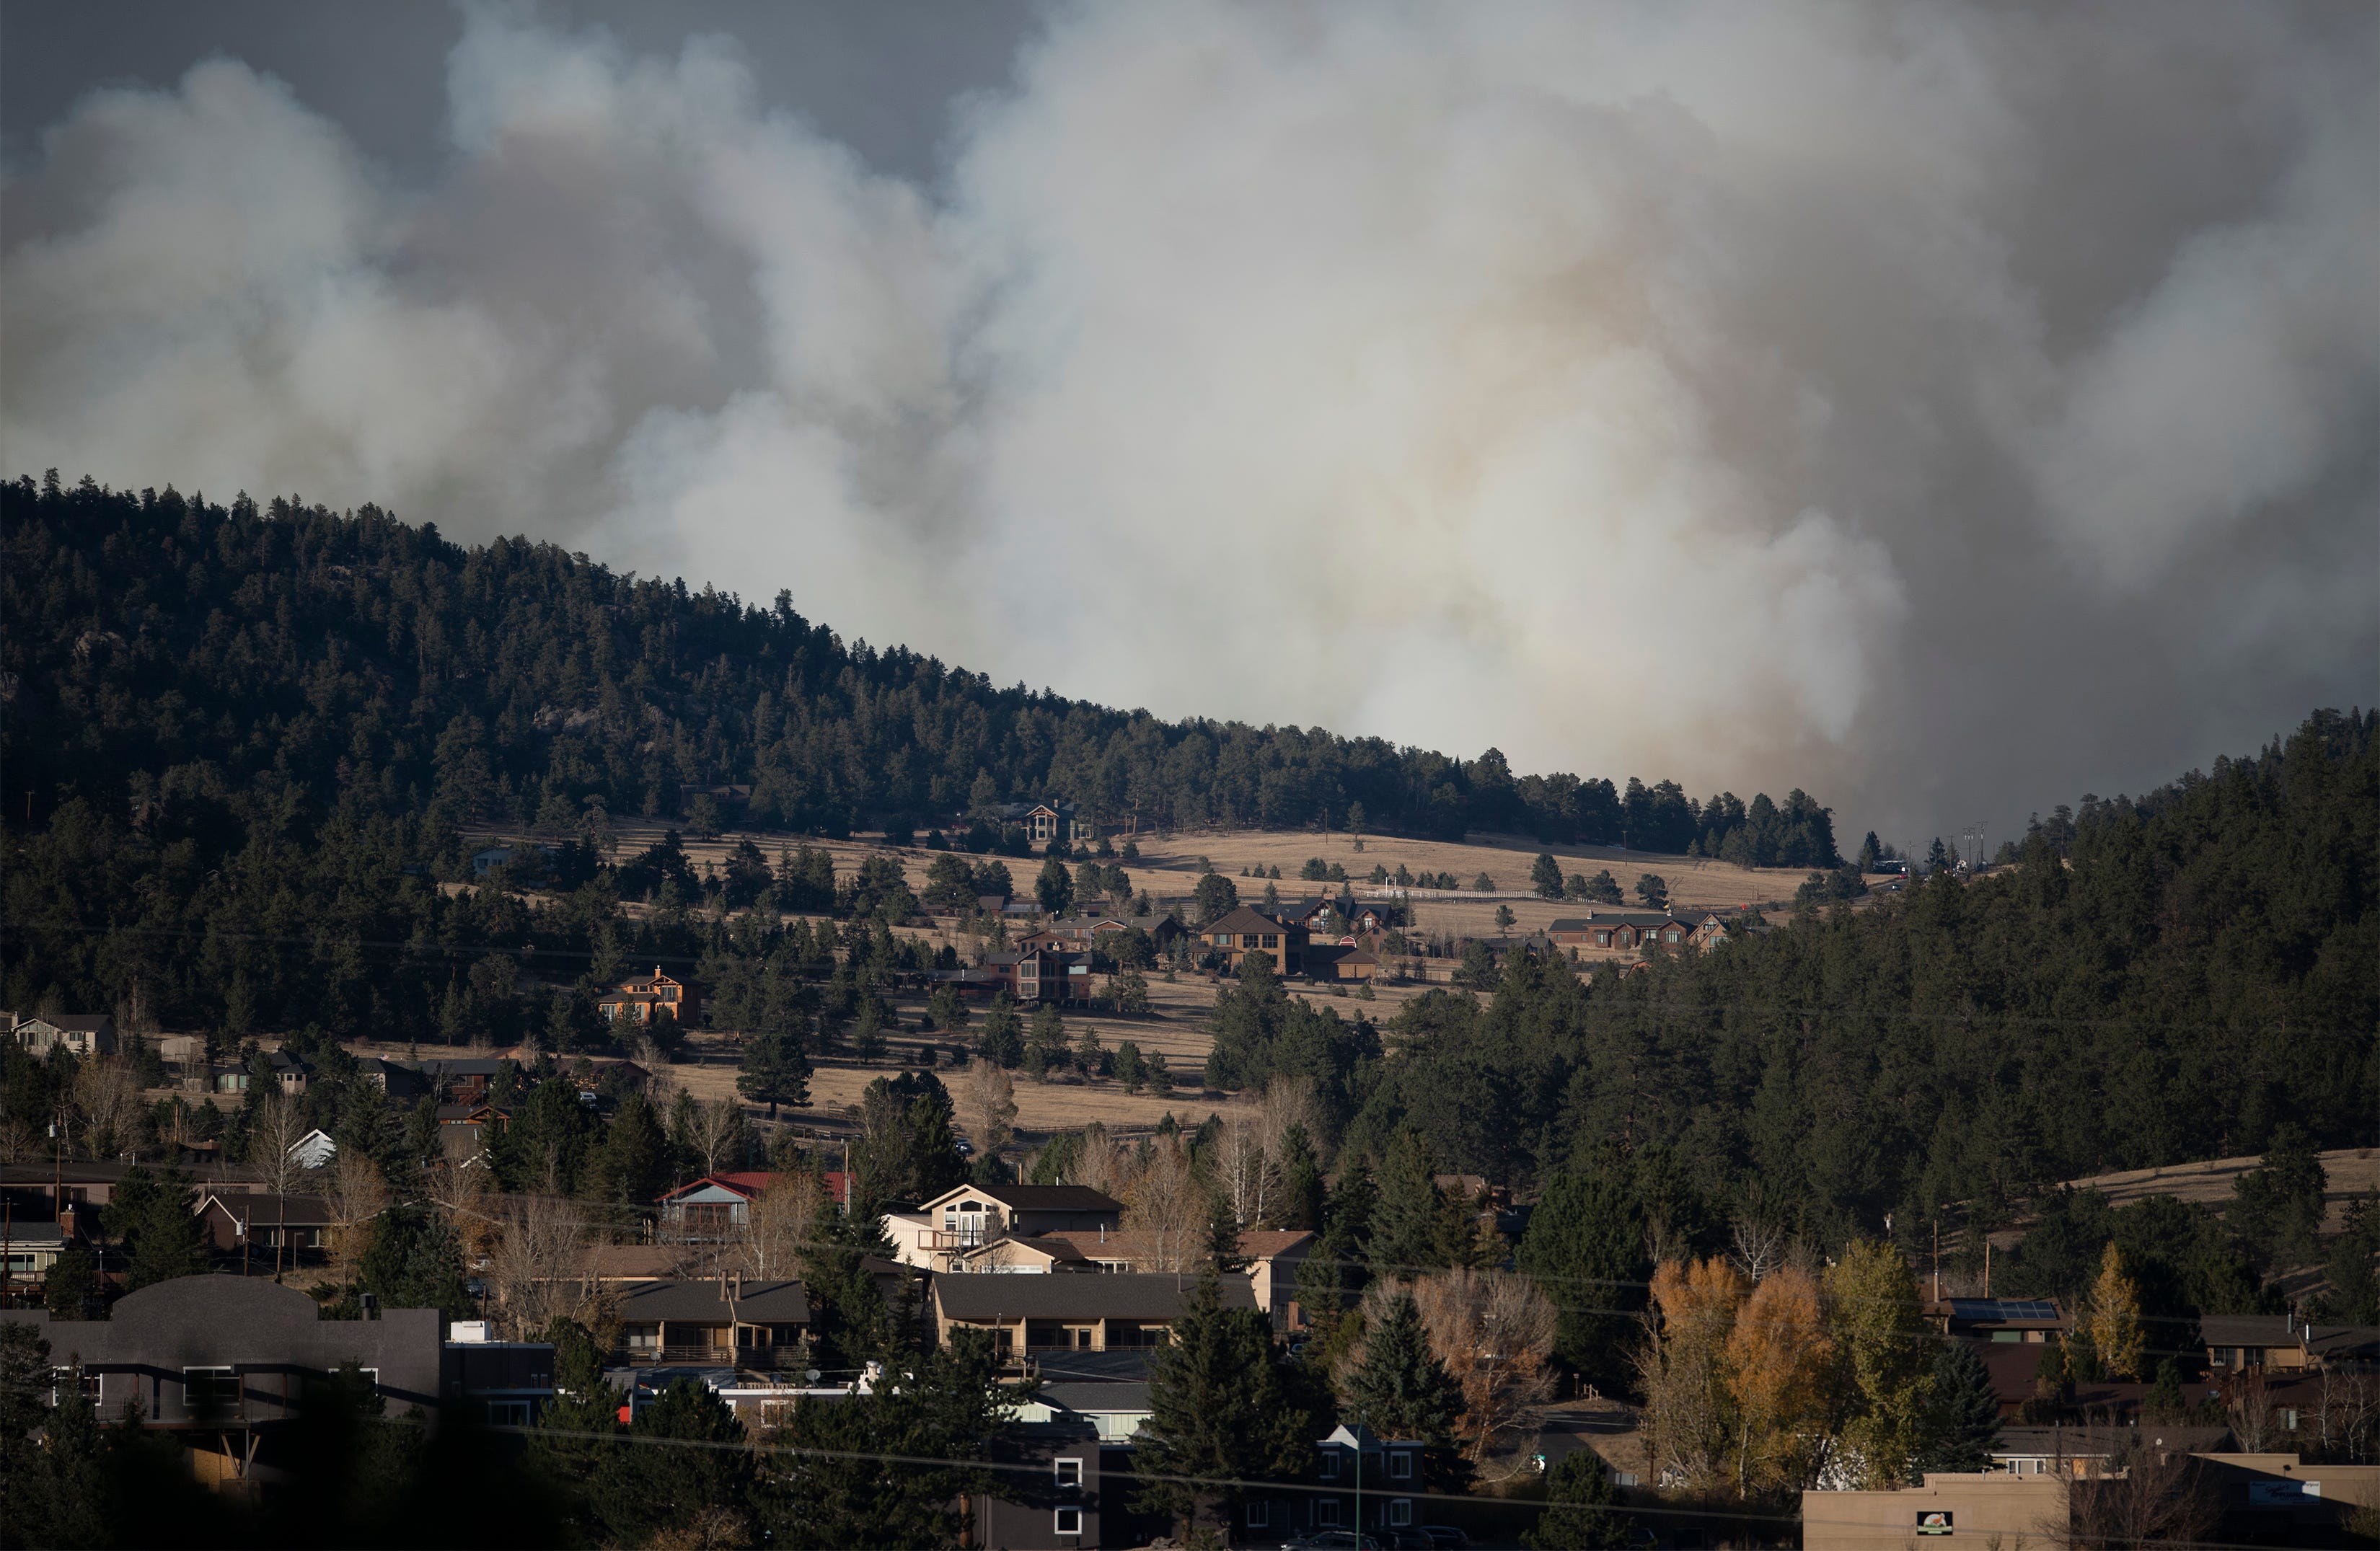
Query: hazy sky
1947	410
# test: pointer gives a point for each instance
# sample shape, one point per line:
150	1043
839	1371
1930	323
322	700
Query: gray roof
1087	1397
1618	919
263	1209
701	1302
1119	1295
2249	1329
1052	1198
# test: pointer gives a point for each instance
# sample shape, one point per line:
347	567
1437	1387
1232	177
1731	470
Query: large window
211	1391
1069	1521
1259	1514
1069	1472
1401	1464
1326	1513
1400	1512
1330	1464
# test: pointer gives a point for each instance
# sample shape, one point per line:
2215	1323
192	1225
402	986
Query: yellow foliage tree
1886	1354
1780	1364
2114	1321
1689	1410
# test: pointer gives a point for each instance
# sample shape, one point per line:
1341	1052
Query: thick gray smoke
1941	410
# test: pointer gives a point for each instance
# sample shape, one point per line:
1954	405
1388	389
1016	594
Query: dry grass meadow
1168	867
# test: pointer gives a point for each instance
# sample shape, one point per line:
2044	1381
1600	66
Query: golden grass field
1168	867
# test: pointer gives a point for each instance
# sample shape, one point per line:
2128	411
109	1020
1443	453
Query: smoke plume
1941	410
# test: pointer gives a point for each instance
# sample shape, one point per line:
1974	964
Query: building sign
1932	1520
2281	1494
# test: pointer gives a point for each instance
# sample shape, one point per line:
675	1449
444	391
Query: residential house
265	1226
92	1034
502	1384
727	793
1369	918
1126	1311
1081	1250
314	1150
1342	962
1038	974
393	1078
2283	1344
1114	1410
1364	1482
1273	1255
465	1081
716	1207
2020	1320
1247	929
936	1236
1619	928
28	1250
642	997
724	1322
1042	822
1048	1492
225	1363
1072	934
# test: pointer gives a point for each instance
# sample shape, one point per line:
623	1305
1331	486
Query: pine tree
1300	1199
1002	1038
1219	1414
1410	1224
1402	1391
1964	1423
775	1070
1585	1248
1580	1497
1546	877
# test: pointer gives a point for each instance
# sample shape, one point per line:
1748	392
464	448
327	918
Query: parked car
1446	1537
1334	1540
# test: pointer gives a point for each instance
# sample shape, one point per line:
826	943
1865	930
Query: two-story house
1363	1482
1619	928
642	997
1128	1311
1246	930
1038	974
936	1236
721	1322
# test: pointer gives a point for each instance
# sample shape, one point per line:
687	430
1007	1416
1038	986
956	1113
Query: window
62	1377
1400	1512
210	1390
1401	1465
507	1413
1069	1472
1330	1464
2289	1421
1326	1513
1259	1515
1070	1522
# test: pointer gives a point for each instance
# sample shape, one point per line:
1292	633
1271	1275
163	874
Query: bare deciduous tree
988	1107
1289	1101
2160	1499
108	1095
1242	1167
718	1132
1167	1210
357	1193
466	1197
1494	1330
278	1127
538	1261
1102	1165
1759	1245
779	1225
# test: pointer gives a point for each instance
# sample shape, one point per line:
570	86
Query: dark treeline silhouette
239	744
2191	975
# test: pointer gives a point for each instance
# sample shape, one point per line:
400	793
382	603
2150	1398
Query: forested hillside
238	742
2188	974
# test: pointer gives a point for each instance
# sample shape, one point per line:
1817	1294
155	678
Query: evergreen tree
1045	1042
1219	1414
1585	1247
1414	1228
1054	889
1002	1038
1401	1390
1963	1424
774	1070
1546	877
1580	1498
1299	1202
148	1211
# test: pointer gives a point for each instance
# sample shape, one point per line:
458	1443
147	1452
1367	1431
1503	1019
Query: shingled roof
1119	1295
